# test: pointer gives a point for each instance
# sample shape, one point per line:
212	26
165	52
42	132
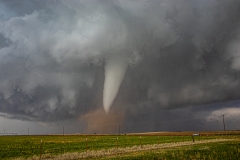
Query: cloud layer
176	54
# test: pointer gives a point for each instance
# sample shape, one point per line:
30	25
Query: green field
56	145
212	151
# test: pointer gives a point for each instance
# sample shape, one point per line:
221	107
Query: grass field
139	146
210	151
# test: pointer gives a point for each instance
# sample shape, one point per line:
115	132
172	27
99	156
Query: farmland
130	146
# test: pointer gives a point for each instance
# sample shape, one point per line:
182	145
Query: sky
94	66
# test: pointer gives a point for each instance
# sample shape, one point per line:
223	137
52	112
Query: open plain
152	145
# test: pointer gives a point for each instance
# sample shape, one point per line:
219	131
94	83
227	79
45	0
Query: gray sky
89	65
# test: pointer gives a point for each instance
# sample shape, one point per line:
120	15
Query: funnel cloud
150	60
115	69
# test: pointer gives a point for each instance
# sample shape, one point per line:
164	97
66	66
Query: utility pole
119	128
28	131
63	130
223	122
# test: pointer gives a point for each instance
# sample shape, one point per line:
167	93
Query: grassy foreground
210	151
52	146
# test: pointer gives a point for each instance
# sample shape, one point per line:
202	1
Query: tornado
115	68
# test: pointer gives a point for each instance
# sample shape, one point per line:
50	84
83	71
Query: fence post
117	142
193	138
86	145
41	149
141	141
158	139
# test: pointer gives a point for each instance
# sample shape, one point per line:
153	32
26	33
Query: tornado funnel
115	68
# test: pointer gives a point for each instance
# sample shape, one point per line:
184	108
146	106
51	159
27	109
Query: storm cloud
57	57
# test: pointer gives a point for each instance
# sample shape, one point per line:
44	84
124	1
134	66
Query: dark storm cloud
178	54
16	8
195	69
